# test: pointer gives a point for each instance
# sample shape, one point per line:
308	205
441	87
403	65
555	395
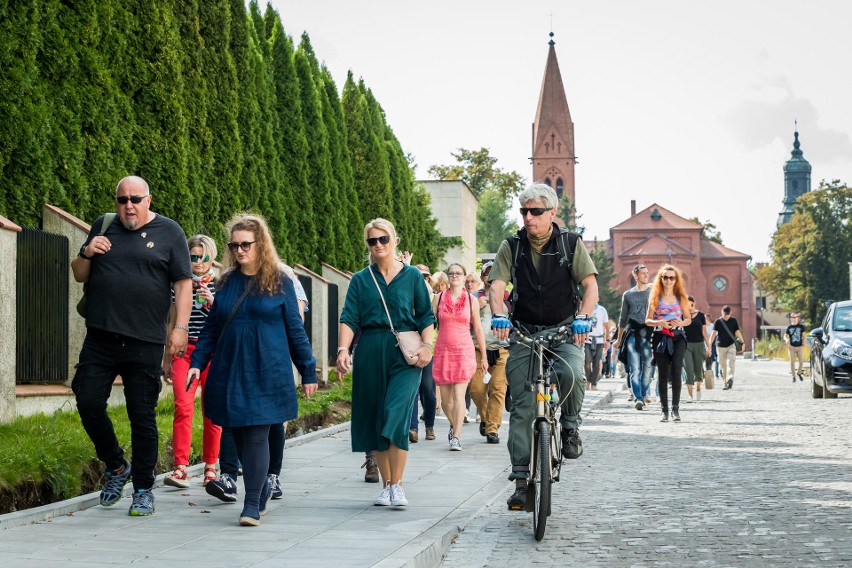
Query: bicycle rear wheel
542	480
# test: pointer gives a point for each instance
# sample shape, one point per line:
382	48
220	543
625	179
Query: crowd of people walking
235	340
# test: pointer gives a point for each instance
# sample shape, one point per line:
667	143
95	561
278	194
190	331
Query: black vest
545	297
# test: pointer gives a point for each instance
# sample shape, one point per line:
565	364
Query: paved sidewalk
325	518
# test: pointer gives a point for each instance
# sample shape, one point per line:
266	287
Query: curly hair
657	290
268	277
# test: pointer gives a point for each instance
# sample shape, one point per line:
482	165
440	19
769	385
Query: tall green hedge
214	105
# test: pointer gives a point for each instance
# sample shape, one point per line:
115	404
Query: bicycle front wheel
543	478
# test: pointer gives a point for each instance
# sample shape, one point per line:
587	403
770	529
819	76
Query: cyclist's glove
581	326
500	322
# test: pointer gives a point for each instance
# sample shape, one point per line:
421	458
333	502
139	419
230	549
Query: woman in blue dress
253	349
383	384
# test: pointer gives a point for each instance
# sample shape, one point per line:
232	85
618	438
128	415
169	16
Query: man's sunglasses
536	211
373	241
245	245
134	199
199	258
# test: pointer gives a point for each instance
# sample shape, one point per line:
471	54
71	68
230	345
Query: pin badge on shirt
150	245
144	235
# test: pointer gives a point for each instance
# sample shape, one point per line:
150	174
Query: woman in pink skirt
455	360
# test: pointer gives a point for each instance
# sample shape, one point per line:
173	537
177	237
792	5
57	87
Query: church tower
797	180
553	156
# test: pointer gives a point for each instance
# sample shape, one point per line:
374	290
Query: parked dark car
831	352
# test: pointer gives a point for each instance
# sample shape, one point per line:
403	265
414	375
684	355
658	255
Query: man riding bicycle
545	265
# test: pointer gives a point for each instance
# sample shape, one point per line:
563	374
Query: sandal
178	478
210	474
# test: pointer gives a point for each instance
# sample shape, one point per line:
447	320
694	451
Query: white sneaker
630	396
690	399
384	498
697	396
397	496
455	445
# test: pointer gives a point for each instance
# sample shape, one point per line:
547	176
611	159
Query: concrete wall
59	222
8	313
319	314
341	279
454	206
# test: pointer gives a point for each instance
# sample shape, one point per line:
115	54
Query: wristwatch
82	253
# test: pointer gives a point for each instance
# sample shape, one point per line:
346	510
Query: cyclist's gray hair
539	191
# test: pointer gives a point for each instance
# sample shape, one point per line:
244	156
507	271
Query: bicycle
546	454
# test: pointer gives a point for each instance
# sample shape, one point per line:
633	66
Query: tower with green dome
797	180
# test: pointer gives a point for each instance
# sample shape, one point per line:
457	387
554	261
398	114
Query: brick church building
715	274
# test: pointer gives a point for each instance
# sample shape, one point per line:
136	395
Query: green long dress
383	384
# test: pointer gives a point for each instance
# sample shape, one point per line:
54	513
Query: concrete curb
427	550
71	506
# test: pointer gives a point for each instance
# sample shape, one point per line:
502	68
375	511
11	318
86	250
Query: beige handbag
409	342
709	379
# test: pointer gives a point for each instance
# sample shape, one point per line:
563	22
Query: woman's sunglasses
245	245
134	199
536	211
199	258
667	277
373	241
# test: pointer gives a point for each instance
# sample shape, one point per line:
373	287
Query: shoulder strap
728	330
566	243
233	312
108	219
438	310
382	296
515	247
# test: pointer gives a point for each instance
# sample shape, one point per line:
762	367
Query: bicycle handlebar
556	337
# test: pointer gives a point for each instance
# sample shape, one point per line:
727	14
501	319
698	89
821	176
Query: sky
687	104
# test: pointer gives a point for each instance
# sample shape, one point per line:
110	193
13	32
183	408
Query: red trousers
184	408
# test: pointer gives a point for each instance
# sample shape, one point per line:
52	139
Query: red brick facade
714	274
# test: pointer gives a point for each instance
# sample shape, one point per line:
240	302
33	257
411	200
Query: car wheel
816	390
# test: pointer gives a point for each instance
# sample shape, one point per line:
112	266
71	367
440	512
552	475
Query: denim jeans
427	398
639	364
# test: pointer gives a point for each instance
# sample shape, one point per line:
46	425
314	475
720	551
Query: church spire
797	179
553	131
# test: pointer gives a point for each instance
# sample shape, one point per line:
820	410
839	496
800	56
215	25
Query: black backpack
566	243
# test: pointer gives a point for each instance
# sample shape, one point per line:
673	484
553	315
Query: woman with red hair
668	313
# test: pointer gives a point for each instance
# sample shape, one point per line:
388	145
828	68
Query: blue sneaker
113	487
143	503
275	486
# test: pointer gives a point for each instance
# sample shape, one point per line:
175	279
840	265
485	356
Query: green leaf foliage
811	253
208	101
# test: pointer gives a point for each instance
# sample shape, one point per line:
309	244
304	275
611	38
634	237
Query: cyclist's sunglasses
536	211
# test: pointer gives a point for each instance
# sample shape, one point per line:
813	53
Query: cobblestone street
760	475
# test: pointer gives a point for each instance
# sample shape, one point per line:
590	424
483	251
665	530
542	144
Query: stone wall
8	313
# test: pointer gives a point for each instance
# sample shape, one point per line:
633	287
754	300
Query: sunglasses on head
134	199
536	211
199	258
373	241
245	245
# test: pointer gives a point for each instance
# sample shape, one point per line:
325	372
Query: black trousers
103	357
670	368
229	460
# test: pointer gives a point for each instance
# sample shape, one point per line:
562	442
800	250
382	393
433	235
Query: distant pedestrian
440	282
596	346
489	396
668	312
130	266
252	339
635	337
726	332
383	382
697	350
456	313
202	253
794	335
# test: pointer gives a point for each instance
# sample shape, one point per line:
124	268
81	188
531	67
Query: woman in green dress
383	384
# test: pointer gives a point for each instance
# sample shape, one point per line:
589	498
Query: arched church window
547	182
559	188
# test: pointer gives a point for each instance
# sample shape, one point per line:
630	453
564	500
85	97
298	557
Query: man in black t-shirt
725	331
129	269
794	336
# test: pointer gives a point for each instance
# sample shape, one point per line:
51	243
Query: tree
709	230
810	254
566	211
608	296
494	187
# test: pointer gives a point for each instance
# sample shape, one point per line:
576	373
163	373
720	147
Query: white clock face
720	284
